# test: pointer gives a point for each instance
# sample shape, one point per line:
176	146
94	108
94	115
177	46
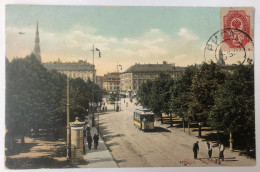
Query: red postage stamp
234	42
239	21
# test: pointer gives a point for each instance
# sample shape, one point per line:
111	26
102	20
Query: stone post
230	141
200	125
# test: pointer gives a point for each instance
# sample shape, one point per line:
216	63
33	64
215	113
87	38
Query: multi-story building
80	69
111	82
136	75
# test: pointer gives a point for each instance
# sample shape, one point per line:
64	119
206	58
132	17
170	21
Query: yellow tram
143	119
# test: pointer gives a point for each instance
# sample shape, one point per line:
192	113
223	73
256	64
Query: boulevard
83	79
163	147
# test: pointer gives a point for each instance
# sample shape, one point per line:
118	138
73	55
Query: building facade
111	82
80	69
132	79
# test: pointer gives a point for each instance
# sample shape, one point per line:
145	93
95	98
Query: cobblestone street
164	147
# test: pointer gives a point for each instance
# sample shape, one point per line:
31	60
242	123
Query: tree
36	97
233	111
160	95
180	93
155	95
27	99
80	96
143	94
204	85
98	92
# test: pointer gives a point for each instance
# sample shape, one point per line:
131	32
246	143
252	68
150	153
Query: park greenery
36	98
208	95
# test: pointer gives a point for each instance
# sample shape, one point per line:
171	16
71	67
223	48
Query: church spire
37	50
220	61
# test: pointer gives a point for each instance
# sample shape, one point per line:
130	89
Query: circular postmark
228	47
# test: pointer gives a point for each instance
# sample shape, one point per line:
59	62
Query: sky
124	35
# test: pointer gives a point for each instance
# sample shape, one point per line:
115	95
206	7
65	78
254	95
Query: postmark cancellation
233	43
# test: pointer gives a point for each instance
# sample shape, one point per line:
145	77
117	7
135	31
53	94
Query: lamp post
93	89
117	107
68	119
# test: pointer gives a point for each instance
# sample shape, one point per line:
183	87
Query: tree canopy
36	97
233	110
156	94
204	85
180	92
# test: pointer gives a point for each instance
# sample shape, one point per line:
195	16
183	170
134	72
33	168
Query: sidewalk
100	157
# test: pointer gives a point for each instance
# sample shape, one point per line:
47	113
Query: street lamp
68	119
93	89
117	108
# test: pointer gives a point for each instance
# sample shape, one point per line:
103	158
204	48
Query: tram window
150	118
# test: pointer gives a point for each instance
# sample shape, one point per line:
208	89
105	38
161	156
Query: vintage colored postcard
129	86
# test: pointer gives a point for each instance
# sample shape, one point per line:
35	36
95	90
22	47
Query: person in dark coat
89	140
209	148
195	149
95	138
221	151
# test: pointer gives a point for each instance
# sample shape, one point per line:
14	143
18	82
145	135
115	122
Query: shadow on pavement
158	129
120	160
60	151
36	163
109	137
19	148
100	160
111	144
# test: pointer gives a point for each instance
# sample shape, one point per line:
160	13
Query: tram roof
144	111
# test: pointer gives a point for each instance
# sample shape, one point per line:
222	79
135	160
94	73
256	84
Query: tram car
143	119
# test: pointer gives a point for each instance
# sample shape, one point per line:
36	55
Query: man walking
195	149
209	148
89	139
221	151
95	138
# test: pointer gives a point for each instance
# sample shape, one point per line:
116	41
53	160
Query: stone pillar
77	140
200	125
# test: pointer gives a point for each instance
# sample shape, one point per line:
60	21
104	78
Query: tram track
141	145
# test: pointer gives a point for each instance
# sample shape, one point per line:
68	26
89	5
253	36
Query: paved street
100	157
164	147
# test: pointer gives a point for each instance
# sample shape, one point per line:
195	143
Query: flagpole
68	120
93	89
93	96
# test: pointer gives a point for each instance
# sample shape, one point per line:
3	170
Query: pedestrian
88	129
89	140
209	148
84	132
95	138
195	149
221	151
